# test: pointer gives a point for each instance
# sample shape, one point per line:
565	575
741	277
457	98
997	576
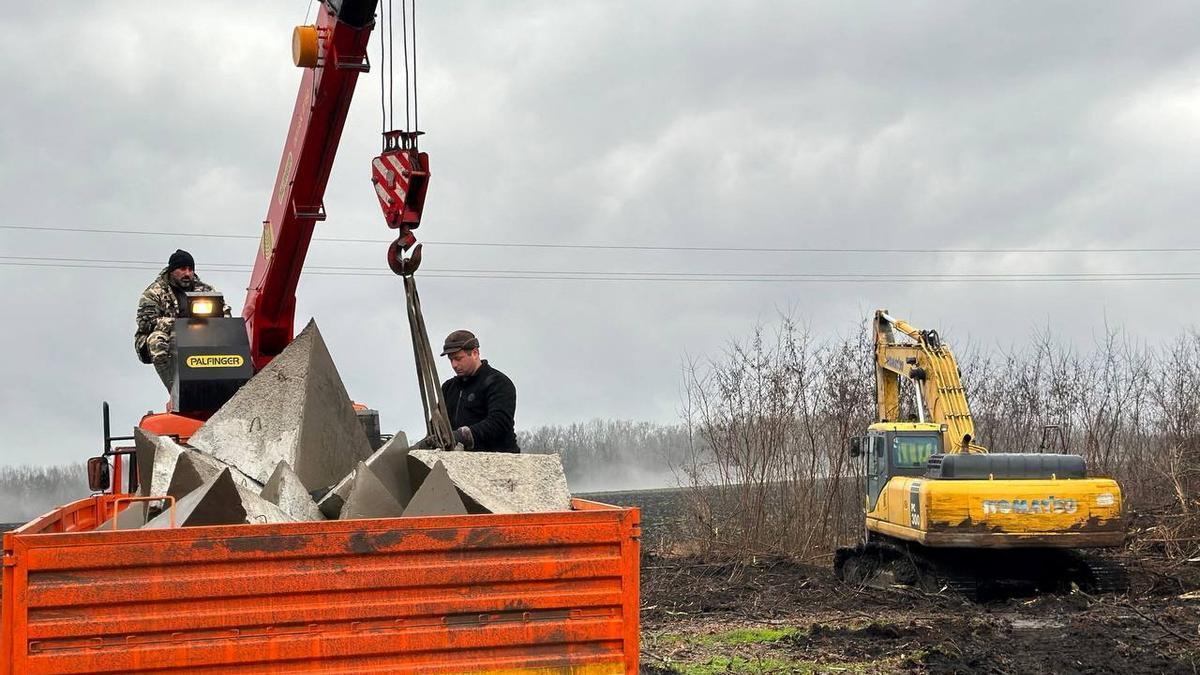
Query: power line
238	267
698	277
636	247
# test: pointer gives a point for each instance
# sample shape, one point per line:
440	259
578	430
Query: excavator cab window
877	468
910	452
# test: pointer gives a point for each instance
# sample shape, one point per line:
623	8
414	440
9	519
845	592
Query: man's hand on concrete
463	435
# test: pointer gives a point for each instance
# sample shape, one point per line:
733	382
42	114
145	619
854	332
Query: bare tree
771	419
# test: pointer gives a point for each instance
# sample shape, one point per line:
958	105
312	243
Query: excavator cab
939	506
895	449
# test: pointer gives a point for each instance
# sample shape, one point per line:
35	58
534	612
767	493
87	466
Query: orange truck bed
528	593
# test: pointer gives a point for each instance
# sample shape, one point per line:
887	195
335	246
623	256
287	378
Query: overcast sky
909	125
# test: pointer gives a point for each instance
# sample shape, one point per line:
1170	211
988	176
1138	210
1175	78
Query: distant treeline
613	454
29	491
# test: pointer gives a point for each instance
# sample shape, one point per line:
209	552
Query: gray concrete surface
132	517
295	410
260	511
502	482
216	502
285	490
369	497
390	464
436	496
193	469
156	457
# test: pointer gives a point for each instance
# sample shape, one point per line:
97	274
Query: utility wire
435	275
552	275
234	267
637	247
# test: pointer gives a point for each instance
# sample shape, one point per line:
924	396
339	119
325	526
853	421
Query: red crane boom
333	54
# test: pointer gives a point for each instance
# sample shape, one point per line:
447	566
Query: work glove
463	436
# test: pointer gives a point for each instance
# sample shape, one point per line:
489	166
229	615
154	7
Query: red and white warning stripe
391	174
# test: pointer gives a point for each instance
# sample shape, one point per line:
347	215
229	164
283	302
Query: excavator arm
333	53
930	364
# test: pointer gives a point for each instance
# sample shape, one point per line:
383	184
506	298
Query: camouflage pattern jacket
156	314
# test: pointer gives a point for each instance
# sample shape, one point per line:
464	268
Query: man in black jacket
481	400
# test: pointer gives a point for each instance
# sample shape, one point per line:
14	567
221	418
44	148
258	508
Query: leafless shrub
770	423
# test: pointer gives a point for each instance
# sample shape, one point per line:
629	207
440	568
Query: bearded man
162	302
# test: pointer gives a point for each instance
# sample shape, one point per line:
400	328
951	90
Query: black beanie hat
180	258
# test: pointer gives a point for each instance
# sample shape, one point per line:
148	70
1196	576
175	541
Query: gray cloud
916	125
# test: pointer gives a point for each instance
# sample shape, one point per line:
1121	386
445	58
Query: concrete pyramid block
390	465
260	511
295	410
193	469
503	482
131	517
156	457
369	497
285	490
330	504
437	496
215	503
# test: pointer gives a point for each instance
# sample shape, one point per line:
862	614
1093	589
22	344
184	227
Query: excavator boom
929	363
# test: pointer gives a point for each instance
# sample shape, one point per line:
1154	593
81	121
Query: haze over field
775	125
597	455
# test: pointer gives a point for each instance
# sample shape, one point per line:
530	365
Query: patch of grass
760	666
738	664
748	636
745	666
753	651
916	657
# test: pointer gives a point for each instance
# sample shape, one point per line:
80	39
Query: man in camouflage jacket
159	307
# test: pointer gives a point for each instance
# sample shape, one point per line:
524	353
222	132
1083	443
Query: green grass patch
739	664
747	636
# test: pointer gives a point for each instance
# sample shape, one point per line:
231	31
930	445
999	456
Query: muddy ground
775	616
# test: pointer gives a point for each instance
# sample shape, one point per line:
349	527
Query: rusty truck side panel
529	593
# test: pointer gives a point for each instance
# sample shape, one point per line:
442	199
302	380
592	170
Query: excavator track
978	575
1108	575
881	564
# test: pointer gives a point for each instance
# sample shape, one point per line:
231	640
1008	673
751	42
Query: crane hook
402	266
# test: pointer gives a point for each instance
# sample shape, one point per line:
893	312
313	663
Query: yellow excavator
941	511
